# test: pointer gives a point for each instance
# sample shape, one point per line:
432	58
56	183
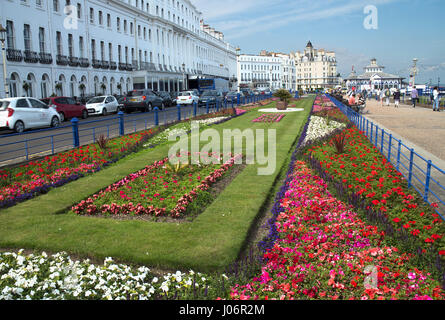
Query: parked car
187	97
212	97
174	96
231	96
247	92
20	114
102	105
67	107
166	98
120	102
143	100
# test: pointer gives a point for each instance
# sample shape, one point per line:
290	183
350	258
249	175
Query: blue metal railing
421	174
24	146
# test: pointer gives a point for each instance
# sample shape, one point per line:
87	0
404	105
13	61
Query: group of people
435	98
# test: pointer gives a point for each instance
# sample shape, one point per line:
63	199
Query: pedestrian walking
387	95
381	96
414	96
396	98
436	106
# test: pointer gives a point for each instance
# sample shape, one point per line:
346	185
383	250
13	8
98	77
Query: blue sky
407	29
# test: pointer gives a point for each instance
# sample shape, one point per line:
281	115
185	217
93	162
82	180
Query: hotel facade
316	68
91	47
266	70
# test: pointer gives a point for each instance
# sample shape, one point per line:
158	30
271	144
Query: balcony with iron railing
73	61
97	64
30	56
105	64
45	58
113	65
84	62
14	55
62	60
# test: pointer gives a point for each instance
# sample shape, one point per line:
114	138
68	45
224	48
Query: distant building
374	78
315	68
266	70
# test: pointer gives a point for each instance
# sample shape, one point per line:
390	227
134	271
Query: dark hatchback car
232	96
174	96
142	100
212	97
166	98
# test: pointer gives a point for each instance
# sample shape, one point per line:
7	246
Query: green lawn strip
210	242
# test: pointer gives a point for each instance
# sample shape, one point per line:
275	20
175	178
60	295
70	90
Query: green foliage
283	95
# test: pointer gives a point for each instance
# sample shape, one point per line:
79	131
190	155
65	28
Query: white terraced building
266	70
75	47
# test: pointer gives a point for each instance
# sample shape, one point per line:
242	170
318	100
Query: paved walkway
419	126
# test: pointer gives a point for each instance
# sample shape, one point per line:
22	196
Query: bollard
207	107
238	100
217	106
121	123
195	108
156	110
179	112
75	125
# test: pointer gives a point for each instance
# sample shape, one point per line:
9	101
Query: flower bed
320	127
57	277
325	251
158	190
269	118
37	177
367	174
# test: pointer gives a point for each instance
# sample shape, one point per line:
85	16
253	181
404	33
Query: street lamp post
183	76
238	50
2	40
414	71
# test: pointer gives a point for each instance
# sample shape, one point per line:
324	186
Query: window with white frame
42	39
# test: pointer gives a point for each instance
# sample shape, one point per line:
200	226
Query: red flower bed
325	251
159	189
23	182
364	171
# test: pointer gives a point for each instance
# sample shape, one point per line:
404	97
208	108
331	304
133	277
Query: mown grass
209	243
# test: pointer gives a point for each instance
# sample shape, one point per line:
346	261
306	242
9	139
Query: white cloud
241	18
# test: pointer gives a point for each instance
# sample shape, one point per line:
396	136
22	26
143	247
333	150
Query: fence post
207	107
121	123
238	98
75	125
376	135
399	151
410	173
217	106
156	110
195	108
383	140
390	147
372	129
427	182
52	144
